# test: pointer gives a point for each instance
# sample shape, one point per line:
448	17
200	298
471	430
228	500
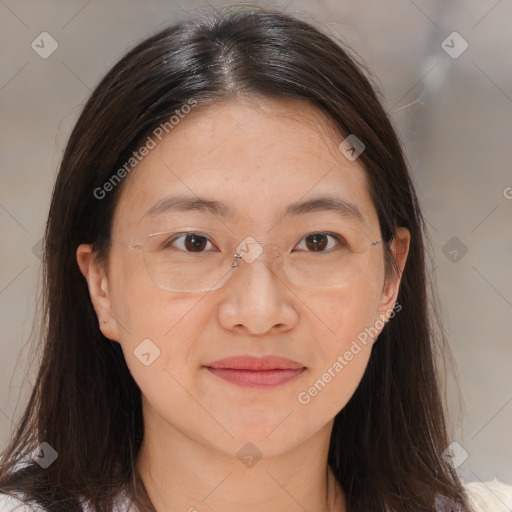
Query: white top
493	496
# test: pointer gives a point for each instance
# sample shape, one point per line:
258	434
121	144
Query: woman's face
256	157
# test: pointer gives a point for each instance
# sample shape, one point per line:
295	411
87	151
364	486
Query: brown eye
195	242
317	242
188	242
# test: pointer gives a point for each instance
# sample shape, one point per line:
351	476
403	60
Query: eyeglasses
191	268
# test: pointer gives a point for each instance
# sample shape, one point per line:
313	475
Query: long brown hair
387	442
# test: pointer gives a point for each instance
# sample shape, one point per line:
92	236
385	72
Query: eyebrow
316	204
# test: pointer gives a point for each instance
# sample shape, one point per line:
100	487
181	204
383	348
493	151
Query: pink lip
256	372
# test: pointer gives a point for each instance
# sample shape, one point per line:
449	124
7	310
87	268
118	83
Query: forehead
255	156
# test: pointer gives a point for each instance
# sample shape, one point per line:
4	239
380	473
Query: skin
257	155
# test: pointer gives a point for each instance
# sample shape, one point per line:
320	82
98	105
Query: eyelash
341	241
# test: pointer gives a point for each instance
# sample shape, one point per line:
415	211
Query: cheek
163	323
343	324
338	316
156	329
159	352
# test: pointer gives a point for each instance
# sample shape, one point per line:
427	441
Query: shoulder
15	503
10	503
493	496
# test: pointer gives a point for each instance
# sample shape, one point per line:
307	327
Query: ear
97	282
399	249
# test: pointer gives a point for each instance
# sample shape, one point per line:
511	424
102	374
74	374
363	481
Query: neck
179	473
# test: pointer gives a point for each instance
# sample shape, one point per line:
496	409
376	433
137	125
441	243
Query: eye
317	242
188	242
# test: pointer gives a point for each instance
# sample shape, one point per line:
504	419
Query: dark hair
387	442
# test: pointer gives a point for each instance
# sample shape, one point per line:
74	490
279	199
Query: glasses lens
183	260
188	261
327	269
316	268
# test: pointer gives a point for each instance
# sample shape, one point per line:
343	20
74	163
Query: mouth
256	372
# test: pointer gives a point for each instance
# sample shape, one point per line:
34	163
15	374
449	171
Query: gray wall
453	112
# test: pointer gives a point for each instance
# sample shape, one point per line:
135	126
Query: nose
257	299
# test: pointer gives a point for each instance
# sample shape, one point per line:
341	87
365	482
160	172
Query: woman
235	292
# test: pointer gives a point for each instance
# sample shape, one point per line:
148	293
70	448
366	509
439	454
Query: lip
256	363
256	372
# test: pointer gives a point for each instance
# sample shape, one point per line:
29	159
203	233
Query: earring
103	322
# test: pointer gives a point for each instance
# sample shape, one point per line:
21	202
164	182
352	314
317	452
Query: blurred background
442	69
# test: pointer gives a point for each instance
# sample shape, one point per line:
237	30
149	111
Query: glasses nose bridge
250	250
